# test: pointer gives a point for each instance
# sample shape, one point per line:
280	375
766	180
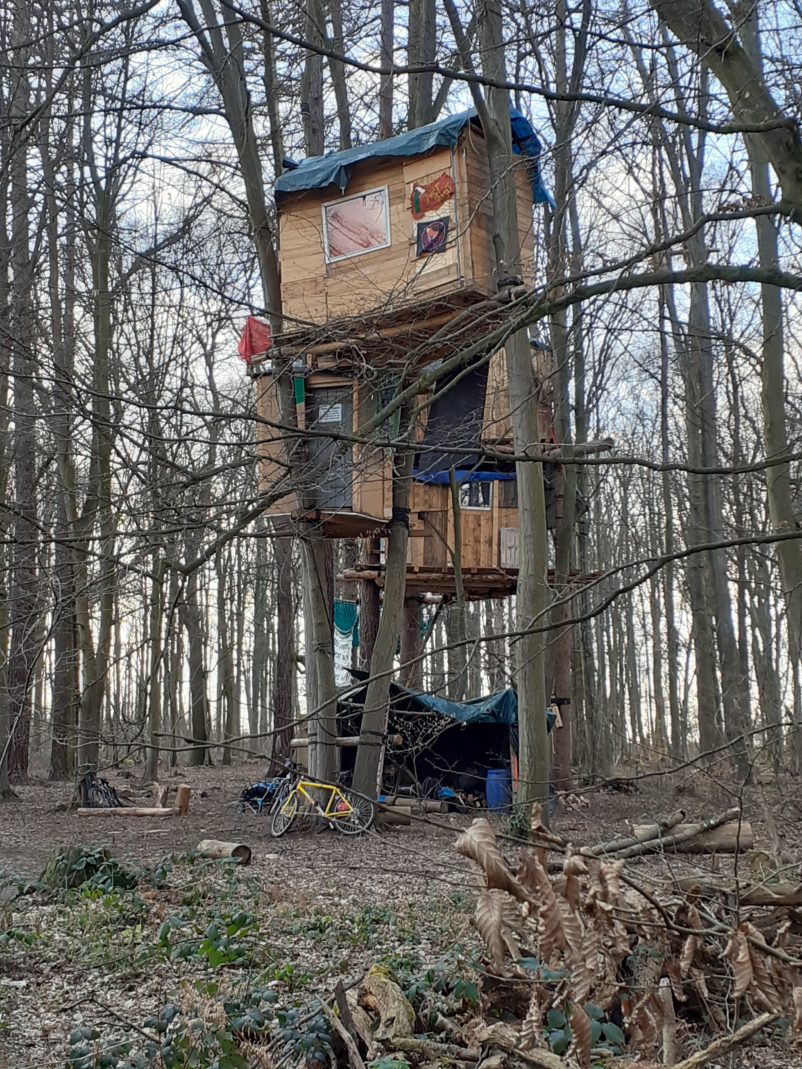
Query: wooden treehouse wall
314	291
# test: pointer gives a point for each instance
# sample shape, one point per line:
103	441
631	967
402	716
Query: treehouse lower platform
478	584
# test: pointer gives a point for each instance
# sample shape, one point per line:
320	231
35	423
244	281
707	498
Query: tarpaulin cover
334	169
498	708
256	338
452	438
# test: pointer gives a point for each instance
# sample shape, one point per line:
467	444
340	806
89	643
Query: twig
614	845
727	1043
412	1045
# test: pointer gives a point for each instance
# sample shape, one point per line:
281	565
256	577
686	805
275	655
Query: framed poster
431	237
356	225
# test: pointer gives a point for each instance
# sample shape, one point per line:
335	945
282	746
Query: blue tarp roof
498	708
334	169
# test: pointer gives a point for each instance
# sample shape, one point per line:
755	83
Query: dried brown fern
490	923
736	952
479	844
532	1027
581	1041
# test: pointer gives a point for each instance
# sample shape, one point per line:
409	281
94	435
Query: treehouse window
475	495
356	225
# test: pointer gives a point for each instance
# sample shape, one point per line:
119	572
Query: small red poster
432	195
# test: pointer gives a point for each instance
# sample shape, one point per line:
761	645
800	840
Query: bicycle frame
335	795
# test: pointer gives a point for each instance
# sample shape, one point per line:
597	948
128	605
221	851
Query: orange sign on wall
432	195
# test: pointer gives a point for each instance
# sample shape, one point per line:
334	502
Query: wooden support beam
345	742
130	811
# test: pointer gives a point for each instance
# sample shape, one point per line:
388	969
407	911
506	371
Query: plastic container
498	788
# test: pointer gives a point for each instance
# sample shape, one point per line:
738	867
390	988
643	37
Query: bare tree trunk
455	618
153	689
411	673
369	606
369	757
225	663
421	52
678	738
23	598
318	601
773	384
532	589
283	713
312	81
337	68
473	631
191	617
703	30
386	34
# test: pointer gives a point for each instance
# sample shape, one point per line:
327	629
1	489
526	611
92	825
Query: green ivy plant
179	1040
605	1036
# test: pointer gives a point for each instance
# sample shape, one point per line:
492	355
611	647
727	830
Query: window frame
477	508
329	259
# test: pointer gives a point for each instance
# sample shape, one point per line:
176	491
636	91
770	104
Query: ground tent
452	744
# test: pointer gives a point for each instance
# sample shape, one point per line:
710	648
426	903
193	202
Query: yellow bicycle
345	810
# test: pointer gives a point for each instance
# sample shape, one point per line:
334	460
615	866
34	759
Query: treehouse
387	268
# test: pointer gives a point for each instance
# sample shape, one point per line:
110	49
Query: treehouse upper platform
396	236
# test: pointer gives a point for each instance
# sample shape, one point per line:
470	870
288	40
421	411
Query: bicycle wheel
360	817
284	814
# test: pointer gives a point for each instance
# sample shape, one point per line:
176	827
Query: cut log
416	805
219	850
161	794
726	839
397	814
130	811
182	793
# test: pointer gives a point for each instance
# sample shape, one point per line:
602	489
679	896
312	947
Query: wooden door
330	411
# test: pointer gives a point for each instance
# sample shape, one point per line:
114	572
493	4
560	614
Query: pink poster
356	225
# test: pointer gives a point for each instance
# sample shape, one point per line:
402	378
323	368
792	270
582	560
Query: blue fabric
440	478
498	708
334	169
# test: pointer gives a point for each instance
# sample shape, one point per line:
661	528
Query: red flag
256	338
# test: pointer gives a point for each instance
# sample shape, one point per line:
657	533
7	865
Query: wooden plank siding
316	292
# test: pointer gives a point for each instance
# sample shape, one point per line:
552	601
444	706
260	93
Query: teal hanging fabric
346	638
346	619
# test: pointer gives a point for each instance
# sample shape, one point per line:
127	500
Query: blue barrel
498	788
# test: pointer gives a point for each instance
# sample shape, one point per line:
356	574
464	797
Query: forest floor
311	909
